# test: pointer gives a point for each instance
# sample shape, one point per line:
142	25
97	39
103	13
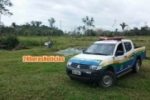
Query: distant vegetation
36	28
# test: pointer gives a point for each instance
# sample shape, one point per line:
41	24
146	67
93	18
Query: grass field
48	81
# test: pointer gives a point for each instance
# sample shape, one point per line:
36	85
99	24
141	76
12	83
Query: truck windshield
100	49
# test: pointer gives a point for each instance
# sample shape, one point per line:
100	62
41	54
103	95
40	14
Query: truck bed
135	47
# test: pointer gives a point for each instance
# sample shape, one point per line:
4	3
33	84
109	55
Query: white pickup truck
106	60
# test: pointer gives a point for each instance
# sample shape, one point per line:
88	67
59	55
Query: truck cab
106	60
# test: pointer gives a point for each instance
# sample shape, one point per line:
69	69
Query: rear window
128	46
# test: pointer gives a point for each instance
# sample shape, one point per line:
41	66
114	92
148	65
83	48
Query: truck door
129	51
119	58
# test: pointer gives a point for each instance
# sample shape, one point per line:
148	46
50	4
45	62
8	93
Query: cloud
69	13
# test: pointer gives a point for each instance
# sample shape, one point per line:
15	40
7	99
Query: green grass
48	81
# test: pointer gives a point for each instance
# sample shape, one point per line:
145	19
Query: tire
137	66
107	80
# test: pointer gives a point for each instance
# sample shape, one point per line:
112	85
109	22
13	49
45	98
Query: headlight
69	63
99	67
95	67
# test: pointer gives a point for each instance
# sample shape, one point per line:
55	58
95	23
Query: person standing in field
50	44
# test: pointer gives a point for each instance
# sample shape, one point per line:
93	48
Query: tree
78	29
33	23
4	10
51	22
88	22
83	27
99	32
144	30
27	25
123	25
13	25
37	23
3	5
116	30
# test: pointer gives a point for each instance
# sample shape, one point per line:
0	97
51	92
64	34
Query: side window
119	48
128	46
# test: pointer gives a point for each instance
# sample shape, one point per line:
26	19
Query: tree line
33	28
87	30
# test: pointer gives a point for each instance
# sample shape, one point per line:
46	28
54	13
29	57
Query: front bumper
86	74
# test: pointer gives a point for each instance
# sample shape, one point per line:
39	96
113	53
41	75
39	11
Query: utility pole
0	15
0	18
60	24
0	23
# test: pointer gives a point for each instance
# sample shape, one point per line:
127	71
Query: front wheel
137	66
108	79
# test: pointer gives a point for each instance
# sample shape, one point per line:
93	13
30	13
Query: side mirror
83	50
119	53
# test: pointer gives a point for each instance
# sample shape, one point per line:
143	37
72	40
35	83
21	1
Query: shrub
9	42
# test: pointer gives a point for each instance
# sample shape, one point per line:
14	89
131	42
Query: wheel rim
107	80
138	66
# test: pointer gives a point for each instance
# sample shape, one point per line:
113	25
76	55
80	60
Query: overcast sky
135	13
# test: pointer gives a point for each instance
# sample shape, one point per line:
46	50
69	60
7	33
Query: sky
107	14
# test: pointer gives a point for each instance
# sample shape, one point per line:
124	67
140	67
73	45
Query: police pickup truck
106	60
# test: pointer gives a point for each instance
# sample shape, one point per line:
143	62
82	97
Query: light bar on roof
111	38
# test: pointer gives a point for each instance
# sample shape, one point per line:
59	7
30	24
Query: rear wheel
137	66
107	80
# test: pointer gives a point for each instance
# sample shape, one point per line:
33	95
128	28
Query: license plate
76	72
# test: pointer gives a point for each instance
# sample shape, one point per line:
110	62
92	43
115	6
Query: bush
9	42
90	33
